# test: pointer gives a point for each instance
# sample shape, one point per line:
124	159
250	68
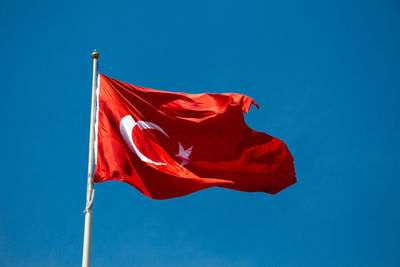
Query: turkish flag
169	144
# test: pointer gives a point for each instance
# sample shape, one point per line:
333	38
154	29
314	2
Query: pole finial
95	54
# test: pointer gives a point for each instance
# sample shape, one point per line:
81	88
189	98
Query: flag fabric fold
169	144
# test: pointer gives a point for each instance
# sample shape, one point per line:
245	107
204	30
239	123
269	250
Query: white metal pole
90	190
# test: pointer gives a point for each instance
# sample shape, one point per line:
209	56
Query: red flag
172	144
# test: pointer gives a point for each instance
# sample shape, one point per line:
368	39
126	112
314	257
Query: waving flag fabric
172	144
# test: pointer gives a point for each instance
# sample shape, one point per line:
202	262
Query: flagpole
90	190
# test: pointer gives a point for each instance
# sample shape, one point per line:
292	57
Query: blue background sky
326	75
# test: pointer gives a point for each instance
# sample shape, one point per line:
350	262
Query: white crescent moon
126	126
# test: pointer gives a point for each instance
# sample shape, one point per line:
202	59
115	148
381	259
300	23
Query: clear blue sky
326	75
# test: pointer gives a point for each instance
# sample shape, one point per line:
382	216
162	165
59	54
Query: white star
184	154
